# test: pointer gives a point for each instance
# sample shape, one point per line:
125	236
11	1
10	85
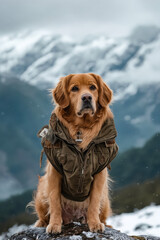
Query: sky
78	17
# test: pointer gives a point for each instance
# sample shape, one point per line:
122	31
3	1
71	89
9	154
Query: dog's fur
50	205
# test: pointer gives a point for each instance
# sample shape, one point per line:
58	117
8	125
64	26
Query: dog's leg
96	195
105	210
54	193
41	210
40	205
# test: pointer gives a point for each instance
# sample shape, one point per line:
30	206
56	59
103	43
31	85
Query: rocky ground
76	231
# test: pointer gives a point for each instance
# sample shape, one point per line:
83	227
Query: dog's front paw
96	226
54	228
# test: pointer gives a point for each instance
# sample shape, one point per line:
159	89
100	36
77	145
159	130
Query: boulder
76	231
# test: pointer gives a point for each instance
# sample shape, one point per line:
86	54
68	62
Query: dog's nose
86	97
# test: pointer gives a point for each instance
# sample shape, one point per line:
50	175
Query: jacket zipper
81	179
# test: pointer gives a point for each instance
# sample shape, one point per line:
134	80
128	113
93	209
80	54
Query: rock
76	231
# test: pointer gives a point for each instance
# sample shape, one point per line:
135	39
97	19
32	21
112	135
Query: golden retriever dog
82	107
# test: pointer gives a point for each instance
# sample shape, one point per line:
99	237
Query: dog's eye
92	87
74	89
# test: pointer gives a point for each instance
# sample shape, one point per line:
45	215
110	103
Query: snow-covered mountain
140	222
130	65
41	58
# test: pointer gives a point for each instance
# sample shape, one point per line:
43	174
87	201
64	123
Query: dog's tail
31	204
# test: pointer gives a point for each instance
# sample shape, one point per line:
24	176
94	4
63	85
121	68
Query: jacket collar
60	130
107	132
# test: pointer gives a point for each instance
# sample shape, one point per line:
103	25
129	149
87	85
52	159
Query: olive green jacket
77	166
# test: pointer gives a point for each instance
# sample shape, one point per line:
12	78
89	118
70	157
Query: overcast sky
78	17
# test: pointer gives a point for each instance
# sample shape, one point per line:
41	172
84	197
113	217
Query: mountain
136	196
137	164
137	117
41	58
22	114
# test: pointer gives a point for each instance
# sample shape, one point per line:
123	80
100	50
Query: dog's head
85	93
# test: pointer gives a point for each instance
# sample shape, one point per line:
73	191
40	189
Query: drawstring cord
41	157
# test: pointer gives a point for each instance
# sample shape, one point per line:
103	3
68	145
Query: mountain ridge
41	58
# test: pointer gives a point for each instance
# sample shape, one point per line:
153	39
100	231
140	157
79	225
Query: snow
119	50
49	46
146	74
75	237
145	221
88	234
33	70
128	91
14	47
102	42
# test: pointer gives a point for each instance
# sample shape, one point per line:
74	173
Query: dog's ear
60	93
105	93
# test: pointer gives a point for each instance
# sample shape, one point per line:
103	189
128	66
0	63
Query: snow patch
13	230
75	237
88	234
128	91
143	222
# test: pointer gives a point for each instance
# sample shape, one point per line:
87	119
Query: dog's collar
79	137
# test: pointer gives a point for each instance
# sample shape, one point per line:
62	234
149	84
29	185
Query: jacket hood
107	132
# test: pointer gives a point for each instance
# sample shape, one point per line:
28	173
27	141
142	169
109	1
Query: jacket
77	166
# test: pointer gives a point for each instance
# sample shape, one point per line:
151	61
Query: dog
81	132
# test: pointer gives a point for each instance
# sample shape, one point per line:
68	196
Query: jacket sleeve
112	151
104	154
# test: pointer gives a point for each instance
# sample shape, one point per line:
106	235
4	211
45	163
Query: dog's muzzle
86	103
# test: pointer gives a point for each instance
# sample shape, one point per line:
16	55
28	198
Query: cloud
114	18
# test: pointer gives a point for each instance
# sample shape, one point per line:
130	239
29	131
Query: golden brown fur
48	201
